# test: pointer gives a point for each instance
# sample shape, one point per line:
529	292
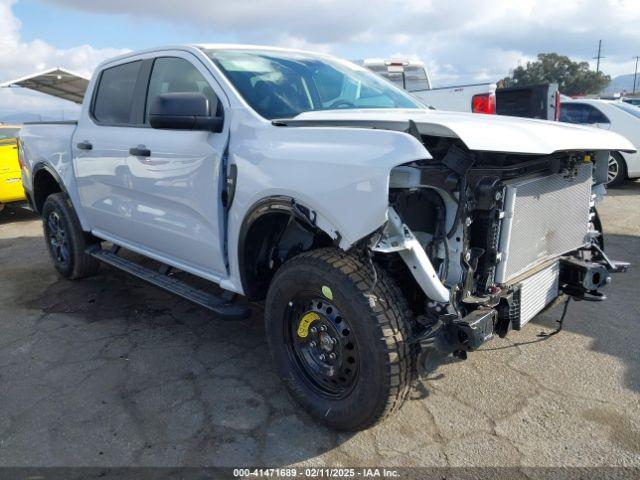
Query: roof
58	82
248	46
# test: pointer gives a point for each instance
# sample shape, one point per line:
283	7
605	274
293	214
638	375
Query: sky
461	41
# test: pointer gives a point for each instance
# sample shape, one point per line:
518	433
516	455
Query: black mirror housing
184	111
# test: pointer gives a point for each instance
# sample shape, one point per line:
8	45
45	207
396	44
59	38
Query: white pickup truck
412	76
380	235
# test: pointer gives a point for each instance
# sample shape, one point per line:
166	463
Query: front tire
617	170
65	239
342	351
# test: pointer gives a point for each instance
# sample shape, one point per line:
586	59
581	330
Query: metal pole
635	75
599	56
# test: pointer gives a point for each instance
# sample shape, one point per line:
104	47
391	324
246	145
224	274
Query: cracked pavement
108	371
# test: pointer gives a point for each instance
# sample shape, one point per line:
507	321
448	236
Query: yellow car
10	181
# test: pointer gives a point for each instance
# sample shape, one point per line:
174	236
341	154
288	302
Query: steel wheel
340	345
321	346
58	241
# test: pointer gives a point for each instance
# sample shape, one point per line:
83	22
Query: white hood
496	133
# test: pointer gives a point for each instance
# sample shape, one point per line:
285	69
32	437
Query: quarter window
114	97
173	75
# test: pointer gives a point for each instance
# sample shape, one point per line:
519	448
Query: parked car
632	101
412	76
378	233
616	116
11	190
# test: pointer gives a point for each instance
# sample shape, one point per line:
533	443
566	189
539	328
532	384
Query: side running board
215	303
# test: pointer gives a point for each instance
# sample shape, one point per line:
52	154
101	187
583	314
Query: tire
65	239
374	364
617	170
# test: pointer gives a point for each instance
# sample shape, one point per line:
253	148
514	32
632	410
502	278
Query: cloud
462	39
21	58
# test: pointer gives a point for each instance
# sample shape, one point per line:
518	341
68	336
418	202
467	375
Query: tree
573	78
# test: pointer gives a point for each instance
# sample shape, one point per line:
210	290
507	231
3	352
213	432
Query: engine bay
507	235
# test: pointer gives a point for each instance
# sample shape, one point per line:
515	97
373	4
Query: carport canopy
58	82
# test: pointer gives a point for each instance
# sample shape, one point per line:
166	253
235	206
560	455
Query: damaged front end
482	242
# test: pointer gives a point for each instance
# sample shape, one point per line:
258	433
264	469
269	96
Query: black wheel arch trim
268	205
37	168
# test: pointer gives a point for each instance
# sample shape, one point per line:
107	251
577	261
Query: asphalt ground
108	371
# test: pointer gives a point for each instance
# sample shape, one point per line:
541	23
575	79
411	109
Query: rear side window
173	75
114	97
416	79
581	113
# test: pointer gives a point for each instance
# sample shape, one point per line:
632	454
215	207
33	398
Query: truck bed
48	143
456	98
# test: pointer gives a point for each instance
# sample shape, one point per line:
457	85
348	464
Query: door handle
84	145
139	152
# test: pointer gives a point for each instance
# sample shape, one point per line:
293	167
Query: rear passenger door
175	176
105	132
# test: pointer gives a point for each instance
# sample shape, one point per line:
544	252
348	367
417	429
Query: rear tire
65	239
616	170
373	363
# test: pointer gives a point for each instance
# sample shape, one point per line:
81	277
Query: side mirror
183	111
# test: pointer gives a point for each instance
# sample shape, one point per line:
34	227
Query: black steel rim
58	240
327	357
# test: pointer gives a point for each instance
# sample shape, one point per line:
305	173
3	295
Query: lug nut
323	328
313	330
334	340
332	356
313	344
322	357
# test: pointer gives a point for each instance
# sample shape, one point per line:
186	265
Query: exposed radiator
545	217
531	295
536	292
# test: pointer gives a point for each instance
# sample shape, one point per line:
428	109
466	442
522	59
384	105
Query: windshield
630	109
8	133
283	84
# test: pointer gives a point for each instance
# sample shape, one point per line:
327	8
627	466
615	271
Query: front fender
342	174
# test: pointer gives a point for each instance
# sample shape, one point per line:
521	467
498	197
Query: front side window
284	84
114	96
173	75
